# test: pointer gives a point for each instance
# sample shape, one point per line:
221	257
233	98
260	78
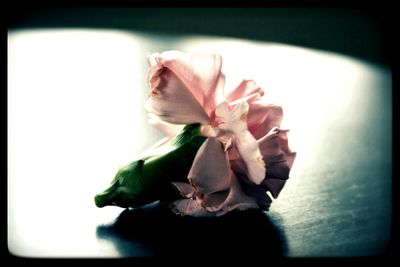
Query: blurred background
76	91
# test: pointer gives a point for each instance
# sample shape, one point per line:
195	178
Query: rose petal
210	169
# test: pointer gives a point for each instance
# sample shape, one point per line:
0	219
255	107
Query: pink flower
245	155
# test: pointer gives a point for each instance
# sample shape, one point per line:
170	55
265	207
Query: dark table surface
76	114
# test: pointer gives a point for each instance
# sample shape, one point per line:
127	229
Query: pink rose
245	155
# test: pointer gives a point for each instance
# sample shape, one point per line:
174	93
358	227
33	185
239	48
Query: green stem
147	180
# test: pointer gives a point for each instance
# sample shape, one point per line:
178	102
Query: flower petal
190	207
200	73
245	88
234	119
184	189
259	193
263	117
168	129
172	101
283	140
210	169
236	199
213	201
276	153
275	186
217	203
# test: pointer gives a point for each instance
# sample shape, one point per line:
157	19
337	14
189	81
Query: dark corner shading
363	33
153	230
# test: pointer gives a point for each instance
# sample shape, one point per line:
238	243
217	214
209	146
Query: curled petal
236	199
289	154
199	73
213	201
217	203
232	118
185	189
235	120
204	203
209	131
275	186
171	100
237	164
244	89
276	153
259	193
263	117
248	149
210	170
190	207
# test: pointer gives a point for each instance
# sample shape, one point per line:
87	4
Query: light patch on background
314	88
75	101
76	113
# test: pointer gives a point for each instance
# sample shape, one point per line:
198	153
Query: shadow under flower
154	230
